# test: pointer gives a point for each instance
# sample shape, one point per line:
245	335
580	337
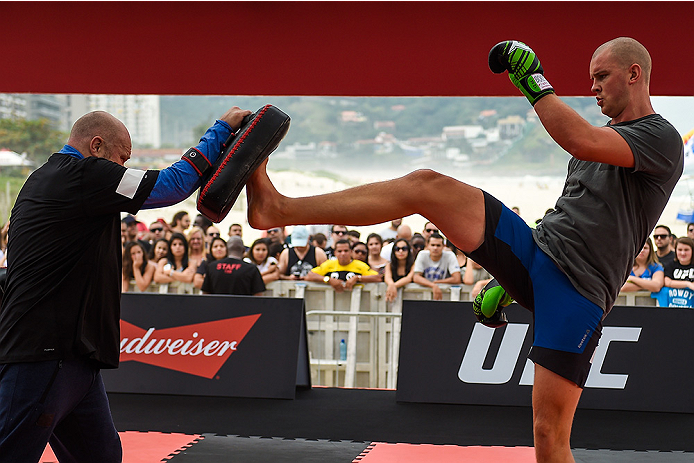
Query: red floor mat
144	447
380	452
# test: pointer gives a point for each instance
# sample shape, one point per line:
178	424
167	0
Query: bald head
101	135
627	51
235	247
404	232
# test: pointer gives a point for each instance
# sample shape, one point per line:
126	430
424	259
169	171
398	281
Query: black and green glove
489	305
523	66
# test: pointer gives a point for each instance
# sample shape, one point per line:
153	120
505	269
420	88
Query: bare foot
264	202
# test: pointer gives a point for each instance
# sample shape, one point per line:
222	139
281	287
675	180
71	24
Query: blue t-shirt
650	271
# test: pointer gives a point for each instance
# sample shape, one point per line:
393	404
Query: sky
679	110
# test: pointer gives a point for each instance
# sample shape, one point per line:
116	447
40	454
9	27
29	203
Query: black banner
643	360
211	345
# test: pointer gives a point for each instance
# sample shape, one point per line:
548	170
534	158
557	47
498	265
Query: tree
37	138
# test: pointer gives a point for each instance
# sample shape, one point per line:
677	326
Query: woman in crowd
400	270
175	267
647	273
375	244
218	250
196	246
160	249
360	252
259	254
680	272
137	267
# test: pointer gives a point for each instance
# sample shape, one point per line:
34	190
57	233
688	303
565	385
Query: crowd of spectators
182	252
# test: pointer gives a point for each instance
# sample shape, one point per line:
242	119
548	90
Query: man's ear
96	146
635	73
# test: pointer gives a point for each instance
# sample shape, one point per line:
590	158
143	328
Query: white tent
11	159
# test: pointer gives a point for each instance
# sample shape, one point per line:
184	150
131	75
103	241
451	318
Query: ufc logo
471	370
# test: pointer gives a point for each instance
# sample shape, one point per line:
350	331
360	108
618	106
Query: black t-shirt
64	278
232	276
676	271
667	258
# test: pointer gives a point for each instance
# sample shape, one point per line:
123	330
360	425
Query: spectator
3	243
476	276
433	266
235	229
648	274
516	209
156	232
218	250
319	240
232	275
665	250
680	273
375	245
175	267
353	236
337	232
211	233
418	244
276	235
132	232
160	248
405	233
360	252
136	267
275	249
203	222
690	230
459	256
343	272
258	255
196	246
180	222
429	228
391	232
296	261
400	269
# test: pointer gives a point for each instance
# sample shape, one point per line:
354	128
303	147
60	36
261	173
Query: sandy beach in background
533	195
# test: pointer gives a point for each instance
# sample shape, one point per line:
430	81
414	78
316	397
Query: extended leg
554	404
455	207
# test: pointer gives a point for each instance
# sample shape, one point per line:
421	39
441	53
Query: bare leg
455	207
554	404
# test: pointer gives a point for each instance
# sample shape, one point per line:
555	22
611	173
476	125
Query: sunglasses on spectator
403	248
156	229
661	237
274	230
360	251
341	232
431	230
213	234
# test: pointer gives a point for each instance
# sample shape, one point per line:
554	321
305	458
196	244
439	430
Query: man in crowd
232	275
428	229
568	270
297	260
391	232
665	248
433	266
343	272
337	232
235	229
59	320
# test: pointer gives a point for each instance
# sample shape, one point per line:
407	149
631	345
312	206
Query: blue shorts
567	325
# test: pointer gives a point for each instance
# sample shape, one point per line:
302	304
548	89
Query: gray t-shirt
605	213
432	270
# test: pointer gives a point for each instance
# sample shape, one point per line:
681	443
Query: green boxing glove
523	66
489	304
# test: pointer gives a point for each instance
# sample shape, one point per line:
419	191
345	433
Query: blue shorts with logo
567	326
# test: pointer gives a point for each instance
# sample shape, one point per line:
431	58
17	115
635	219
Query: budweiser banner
234	346
643	360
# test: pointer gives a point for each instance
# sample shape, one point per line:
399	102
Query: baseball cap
299	235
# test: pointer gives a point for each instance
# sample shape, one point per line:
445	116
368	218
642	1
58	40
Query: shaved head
627	51
100	134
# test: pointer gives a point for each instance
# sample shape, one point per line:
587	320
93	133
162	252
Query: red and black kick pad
258	136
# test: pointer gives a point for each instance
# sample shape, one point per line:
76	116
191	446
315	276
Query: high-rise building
139	113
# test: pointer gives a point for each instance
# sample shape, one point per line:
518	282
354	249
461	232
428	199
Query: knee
550	441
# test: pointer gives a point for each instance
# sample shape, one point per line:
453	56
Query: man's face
132	231
429	228
157	230
359	252
235	230
661	238
435	247
117	147
610	84
275	235
212	232
339	232
343	253
396	223
185	222
690	231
